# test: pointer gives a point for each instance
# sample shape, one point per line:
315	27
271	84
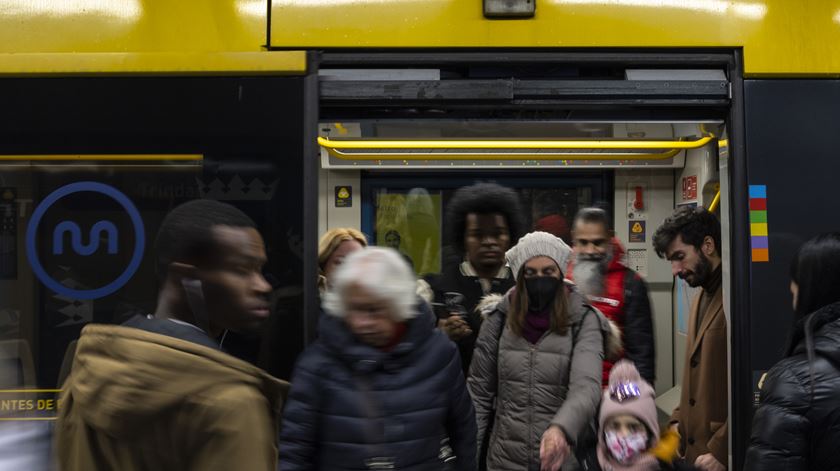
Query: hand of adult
708	462
554	449
455	327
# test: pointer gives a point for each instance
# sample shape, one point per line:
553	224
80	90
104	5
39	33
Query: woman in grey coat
535	378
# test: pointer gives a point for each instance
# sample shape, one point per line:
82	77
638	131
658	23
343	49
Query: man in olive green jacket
158	392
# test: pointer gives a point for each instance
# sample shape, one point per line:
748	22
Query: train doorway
639	134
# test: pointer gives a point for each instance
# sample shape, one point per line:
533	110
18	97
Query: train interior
404	207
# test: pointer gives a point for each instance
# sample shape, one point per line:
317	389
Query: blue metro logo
76	244
64	227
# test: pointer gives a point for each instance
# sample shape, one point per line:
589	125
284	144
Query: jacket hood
122	376
336	338
822	332
619	256
613	343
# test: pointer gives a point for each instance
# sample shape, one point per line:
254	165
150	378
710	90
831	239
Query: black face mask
541	292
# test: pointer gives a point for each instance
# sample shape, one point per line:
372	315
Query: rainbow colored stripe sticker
758	224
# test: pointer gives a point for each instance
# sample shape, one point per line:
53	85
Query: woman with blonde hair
333	247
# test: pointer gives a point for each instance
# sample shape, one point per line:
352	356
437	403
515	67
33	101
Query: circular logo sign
94	187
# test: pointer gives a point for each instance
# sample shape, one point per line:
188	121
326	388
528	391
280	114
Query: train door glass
82	199
408	212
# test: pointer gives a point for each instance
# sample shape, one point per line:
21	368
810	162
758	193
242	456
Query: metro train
317	114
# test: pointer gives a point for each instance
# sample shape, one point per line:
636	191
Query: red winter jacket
625	302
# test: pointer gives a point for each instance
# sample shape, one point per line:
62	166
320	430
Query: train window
84	189
408	213
79	245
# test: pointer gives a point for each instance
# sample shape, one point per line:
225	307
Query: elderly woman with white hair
380	388
535	377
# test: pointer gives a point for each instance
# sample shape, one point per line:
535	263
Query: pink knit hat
629	394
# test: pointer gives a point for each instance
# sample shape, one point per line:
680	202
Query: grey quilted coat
557	381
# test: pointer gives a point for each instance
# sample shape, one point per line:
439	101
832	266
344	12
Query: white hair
381	271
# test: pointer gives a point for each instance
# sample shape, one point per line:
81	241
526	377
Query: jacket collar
170	328
337	338
715	309
467	269
822	328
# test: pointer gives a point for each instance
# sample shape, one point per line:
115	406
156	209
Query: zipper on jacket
530	401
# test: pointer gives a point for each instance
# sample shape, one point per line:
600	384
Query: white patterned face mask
625	449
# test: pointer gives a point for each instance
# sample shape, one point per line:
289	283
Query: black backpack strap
578	325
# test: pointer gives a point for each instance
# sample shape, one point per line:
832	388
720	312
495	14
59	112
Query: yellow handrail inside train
510	144
102	158
500	156
671	148
715	202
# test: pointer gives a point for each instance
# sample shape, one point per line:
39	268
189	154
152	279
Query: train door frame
735	205
734	196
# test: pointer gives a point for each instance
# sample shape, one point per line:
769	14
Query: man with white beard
599	269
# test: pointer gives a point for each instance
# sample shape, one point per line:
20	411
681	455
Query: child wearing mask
629	432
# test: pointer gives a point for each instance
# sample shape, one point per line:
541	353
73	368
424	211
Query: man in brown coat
690	240
159	392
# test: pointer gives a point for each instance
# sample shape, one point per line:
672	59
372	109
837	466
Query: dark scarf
536	324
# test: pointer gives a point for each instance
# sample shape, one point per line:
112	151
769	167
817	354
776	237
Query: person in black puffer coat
380	388
797	425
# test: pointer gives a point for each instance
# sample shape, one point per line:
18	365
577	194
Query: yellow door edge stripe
103	158
154	63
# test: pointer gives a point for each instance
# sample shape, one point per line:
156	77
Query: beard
589	272
700	274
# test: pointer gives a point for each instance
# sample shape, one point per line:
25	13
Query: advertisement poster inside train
410	222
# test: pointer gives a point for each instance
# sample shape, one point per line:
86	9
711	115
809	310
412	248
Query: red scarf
399	333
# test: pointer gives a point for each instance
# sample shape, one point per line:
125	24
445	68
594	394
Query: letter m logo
110	230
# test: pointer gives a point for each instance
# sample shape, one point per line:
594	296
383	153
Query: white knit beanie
538	244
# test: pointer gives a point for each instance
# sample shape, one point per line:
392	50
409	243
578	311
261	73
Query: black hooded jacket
351	403
797	426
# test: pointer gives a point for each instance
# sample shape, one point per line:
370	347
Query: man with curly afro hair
482	222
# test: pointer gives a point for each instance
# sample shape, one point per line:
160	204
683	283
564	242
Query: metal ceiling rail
509	89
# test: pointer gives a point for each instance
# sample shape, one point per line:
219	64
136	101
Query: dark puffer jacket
797	426
417	389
